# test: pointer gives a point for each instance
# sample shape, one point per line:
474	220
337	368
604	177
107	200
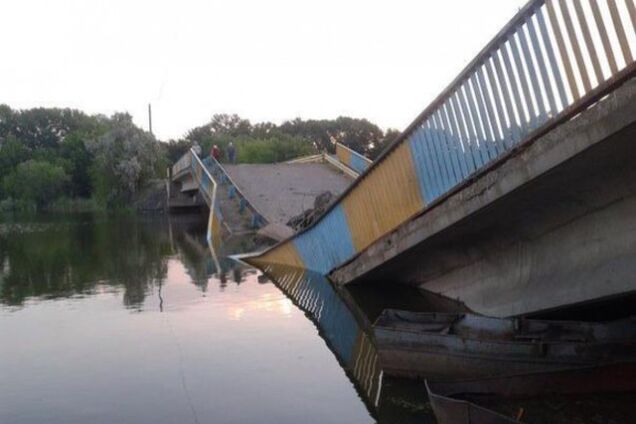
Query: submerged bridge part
526	107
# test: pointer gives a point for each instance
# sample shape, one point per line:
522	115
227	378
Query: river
127	320
119	320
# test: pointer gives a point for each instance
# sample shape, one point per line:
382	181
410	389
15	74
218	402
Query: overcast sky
265	60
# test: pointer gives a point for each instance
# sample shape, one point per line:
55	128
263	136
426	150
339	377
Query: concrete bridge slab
281	191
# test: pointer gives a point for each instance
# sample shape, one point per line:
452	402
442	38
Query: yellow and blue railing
352	159
550	62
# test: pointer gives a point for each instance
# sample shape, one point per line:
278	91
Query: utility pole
149	118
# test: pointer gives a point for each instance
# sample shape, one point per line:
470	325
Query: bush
125	158
35	181
278	148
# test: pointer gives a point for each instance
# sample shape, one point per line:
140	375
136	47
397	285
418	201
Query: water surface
108	320
137	320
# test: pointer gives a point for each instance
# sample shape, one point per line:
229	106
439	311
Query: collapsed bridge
513	191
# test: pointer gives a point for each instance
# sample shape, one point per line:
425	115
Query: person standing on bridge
196	148
215	152
231	152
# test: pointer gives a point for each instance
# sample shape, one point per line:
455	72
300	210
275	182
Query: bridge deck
281	191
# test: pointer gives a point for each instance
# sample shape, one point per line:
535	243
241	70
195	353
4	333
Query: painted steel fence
551	61
208	189
182	165
352	159
257	219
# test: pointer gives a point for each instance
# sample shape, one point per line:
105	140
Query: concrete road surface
281	191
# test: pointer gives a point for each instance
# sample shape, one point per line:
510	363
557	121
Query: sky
264	60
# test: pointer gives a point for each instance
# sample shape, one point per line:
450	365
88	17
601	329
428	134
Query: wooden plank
543	70
468	119
534	80
505	92
620	31
563	50
587	36
489	140
574	41
532	113
505	133
632	12
549	50
516	94
449	123
448	143
600	26
462	126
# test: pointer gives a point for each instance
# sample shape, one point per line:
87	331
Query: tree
36	182
389	137
124	159
44	127
77	163
358	134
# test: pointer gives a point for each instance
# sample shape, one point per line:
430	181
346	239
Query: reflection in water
344	318
346	329
207	344
63	257
196	348
337	325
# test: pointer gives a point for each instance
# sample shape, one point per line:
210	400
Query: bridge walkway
284	190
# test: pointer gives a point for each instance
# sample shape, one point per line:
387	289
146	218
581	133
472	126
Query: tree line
266	142
49	156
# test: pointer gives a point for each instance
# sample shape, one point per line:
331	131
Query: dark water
129	320
125	320
119	321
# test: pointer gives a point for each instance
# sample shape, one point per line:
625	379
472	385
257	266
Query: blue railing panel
331	244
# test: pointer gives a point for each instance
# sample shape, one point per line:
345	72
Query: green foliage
97	155
12	152
174	149
35	181
275	148
108	159
266	141
125	158
76	160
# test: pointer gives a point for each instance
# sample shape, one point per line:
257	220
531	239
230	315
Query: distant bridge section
246	197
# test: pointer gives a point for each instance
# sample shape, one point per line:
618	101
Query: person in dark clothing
231	152
215	152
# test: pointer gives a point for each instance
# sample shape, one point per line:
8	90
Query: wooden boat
446	347
455	411
614	378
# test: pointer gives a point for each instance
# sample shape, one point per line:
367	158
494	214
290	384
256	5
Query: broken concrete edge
276	232
503	176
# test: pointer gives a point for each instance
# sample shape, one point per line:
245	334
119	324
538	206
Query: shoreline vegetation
63	160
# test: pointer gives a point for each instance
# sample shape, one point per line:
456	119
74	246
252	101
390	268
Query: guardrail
549	63
352	159
208	188
183	164
257	218
336	161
